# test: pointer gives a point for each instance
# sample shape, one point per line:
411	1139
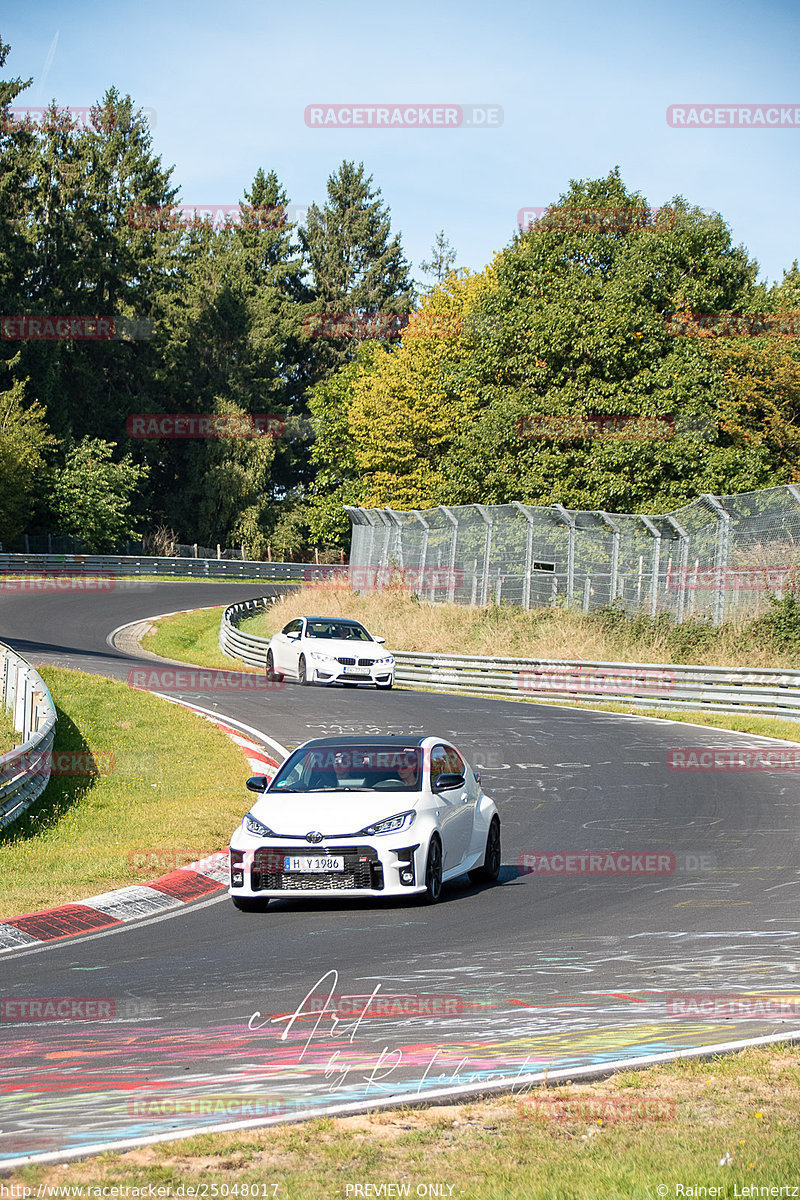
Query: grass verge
168	788
730	1123
192	637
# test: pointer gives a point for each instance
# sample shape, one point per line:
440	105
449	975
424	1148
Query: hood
329	813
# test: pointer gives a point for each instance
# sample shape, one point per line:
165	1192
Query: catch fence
718	557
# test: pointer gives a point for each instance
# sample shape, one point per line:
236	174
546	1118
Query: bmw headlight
383	662
320	657
391	824
256	827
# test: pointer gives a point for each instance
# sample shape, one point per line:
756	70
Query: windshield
351	768
347	631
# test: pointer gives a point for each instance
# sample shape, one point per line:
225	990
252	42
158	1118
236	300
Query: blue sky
583	87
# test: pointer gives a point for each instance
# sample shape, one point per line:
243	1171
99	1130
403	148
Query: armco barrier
25	770
765	691
111	565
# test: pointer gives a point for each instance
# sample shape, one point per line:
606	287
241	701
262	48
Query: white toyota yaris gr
366	817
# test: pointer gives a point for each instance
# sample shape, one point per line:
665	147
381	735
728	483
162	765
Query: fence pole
683	569
569	521
656	563
451	581
526	581
615	533
721	556
487	551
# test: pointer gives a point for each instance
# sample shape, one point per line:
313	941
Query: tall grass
608	635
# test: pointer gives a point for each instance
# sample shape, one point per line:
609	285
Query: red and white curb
201	878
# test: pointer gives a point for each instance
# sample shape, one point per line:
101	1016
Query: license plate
313	866
356	670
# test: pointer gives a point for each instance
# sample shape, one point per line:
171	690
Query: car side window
438	763
455	763
292	627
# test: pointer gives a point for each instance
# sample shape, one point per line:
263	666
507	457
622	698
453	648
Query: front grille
347	662
362	869
366	662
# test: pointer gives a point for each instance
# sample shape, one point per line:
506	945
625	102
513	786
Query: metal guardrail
769	692
111	565
25	770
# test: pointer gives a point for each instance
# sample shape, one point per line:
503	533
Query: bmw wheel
490	870
272	674
433	873
385	687
302	672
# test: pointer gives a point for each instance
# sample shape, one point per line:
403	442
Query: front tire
433	873
490	871
385	687
249	904
302	673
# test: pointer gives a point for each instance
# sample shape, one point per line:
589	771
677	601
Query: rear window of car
351	768
341	630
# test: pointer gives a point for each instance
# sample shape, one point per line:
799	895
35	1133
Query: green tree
356	266
442	261
24	443
91	494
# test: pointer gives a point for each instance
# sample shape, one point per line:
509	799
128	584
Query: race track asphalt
542	973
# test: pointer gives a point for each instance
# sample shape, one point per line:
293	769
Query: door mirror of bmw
381	640
257	783
293	637
447	781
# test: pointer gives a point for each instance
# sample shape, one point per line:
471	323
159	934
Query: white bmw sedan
365	817
329	650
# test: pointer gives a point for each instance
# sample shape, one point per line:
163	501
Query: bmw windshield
351	769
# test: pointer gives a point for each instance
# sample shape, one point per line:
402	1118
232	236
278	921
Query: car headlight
318	654
382	662
391	824
256	827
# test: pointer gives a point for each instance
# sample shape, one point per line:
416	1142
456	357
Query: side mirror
381	640
257	783
293	637
447	781
477	775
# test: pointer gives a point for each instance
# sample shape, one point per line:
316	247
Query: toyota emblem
314	837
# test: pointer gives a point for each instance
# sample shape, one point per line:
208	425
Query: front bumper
333	671
370	869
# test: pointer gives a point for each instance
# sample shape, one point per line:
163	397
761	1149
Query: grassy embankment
730	1123
172	792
